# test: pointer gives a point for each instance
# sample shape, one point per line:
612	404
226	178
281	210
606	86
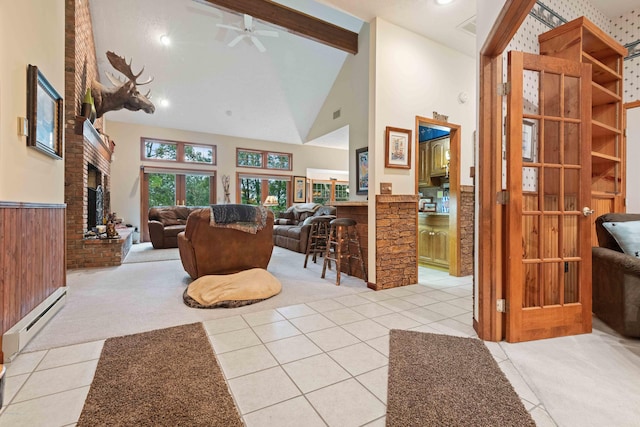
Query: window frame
265	157
264	184
333	182
180	150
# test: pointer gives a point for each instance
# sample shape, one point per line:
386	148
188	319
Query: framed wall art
397	148
529	141
362	171
44	114
299	189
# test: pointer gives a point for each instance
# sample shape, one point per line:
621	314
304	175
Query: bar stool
318	235
342	234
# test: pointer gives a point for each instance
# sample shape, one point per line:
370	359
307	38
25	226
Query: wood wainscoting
32	258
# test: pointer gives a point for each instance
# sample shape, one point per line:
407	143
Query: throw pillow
627	234
283	221
232	290
168	217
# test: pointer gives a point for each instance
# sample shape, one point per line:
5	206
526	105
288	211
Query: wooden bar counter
358	211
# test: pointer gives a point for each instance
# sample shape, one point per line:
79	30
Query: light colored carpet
144	252
140	297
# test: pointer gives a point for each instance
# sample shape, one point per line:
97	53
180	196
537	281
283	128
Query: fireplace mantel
101	142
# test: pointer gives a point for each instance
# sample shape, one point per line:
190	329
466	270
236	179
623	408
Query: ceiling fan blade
248	21
266	33
235	41
258	44
228	27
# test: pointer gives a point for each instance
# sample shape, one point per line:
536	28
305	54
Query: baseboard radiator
19	335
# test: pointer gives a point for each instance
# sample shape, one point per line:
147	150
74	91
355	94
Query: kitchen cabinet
423	165
433	239
438	161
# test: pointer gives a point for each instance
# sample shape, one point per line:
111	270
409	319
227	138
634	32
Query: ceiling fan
249	32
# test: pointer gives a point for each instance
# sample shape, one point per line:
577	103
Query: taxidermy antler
124	94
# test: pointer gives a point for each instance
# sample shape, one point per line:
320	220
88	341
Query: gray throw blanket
247	218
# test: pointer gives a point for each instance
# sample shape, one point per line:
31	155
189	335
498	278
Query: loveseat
165	223
291	231
206	249
616	272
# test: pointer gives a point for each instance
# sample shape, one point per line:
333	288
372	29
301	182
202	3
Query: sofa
291	229
616	272
165	223
206	250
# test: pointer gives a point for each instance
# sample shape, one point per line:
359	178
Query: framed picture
44	114
299	189
529	141
362	170
398	148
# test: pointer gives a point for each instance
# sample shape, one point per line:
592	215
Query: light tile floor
322	363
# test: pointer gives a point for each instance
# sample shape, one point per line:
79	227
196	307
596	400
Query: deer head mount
125	93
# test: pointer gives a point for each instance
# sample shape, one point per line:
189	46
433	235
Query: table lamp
271	201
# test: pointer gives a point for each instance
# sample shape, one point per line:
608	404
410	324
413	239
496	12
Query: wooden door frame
454	188
489	279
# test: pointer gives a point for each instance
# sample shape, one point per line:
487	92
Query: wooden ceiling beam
294	22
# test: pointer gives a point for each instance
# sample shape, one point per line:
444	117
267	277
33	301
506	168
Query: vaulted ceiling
239	91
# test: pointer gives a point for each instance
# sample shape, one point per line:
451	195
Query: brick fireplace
87	152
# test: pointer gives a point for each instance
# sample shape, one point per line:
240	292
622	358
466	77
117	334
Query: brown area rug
441	380
167	377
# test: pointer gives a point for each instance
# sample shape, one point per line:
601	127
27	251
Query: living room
46	177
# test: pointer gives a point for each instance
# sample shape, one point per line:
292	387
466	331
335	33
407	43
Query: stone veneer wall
466	235
80	69
396	251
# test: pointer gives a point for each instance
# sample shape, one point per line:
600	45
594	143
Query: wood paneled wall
32	258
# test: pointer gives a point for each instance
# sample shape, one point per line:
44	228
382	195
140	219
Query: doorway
438	179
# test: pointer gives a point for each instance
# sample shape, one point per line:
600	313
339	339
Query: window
254	189
263	159
176	151
198	154
169	188
160	150
325	192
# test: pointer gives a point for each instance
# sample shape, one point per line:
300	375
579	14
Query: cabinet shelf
600	129
599	158
600	73
603	96
602	195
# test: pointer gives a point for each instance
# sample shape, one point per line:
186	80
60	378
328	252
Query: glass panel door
197	190
162	189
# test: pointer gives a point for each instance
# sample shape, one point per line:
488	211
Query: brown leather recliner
208	250
616	279
165	223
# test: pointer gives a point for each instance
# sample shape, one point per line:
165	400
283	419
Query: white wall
487	12
633	154
31	32
350	95
125	168
416	76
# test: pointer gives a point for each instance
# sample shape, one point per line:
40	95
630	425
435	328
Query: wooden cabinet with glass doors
581	40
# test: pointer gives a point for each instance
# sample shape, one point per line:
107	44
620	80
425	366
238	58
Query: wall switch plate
385	188
23	126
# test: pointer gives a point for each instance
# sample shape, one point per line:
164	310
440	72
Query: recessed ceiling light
165	40
443	2
164	102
